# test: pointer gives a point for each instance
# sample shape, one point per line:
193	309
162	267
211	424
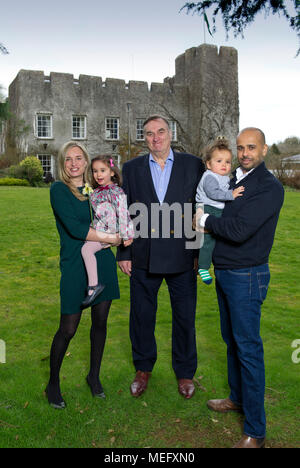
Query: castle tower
212	79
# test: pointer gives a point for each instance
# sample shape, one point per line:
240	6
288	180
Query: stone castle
200	101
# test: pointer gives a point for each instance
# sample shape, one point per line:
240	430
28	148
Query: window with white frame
139	129
112	128
78	127
47	163
173	128
44	125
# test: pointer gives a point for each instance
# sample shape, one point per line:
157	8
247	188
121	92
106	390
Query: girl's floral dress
111	212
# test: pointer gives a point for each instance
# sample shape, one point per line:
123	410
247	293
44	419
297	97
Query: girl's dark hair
111	163
221	143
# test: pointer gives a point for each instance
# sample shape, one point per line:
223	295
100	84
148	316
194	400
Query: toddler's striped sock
205	276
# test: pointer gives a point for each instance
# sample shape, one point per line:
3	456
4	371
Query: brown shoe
223	406
250	442
186	388
140	383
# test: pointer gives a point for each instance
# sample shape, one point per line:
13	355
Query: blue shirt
160	176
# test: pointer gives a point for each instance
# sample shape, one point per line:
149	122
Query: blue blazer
160	252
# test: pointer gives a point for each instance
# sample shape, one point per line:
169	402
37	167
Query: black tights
67	329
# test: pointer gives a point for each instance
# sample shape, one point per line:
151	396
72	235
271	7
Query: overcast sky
139	40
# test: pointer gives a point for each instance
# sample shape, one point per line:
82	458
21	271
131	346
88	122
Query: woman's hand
103	237
114	240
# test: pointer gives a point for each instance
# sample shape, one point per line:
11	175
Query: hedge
13	181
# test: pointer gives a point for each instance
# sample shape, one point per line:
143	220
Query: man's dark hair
156	117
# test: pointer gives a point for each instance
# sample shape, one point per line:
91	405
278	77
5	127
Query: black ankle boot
97	390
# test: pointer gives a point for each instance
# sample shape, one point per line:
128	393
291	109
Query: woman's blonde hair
62	173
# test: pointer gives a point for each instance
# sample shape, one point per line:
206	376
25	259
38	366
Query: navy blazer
155	252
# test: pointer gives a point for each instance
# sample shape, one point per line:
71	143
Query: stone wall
202	98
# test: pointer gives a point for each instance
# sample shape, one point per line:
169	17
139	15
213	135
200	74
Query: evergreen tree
3	49
237	14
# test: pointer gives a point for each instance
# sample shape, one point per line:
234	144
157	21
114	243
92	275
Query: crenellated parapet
201	98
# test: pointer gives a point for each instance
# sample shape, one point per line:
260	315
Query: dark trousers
144	288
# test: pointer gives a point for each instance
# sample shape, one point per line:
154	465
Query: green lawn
29	315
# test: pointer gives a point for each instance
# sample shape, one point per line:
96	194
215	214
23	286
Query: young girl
111	216
212	192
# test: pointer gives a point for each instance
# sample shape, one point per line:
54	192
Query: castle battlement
194	62
201	100
57	81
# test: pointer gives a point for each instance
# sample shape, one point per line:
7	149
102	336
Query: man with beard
245	235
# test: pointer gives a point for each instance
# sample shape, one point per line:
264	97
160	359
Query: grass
29	314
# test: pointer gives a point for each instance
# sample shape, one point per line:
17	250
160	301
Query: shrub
13	181
293	181
16	171
48	178
33	170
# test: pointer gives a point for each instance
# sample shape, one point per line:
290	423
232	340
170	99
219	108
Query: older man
160	179
245	235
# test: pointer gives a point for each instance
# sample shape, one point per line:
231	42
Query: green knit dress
73	223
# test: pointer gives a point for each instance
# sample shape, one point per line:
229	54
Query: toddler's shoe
205	276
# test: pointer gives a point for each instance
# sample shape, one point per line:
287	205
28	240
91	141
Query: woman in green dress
72	214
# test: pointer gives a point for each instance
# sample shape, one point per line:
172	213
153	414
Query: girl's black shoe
90	297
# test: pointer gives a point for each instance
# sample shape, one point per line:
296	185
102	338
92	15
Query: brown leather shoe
140	383
223	406
186	388
250	442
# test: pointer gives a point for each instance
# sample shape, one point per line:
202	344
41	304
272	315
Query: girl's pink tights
88	253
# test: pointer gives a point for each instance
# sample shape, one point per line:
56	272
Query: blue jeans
241	293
